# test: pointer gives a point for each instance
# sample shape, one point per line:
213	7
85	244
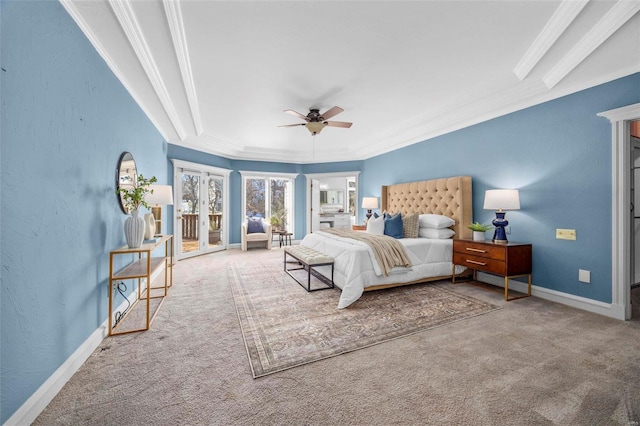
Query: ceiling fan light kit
315	127
315	121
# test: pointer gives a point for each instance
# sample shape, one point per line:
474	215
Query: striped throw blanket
387	250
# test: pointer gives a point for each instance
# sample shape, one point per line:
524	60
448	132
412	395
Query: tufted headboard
447	196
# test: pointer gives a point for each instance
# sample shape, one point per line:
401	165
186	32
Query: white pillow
436	221
440	234
375	225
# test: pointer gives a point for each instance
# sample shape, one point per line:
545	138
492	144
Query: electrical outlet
584	276
507	229
565	234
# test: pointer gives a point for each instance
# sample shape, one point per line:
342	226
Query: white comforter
354	269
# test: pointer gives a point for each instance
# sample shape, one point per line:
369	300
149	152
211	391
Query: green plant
279	219
476	226
133	196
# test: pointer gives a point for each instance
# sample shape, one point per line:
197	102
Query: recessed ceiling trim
127	19
178	35
617	16
559	22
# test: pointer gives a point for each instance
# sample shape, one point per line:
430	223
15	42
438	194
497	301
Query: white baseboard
590	305
38	401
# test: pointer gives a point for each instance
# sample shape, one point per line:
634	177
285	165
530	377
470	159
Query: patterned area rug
284	326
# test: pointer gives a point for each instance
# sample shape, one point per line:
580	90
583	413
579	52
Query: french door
200	209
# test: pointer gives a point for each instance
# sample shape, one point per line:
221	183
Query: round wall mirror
126	176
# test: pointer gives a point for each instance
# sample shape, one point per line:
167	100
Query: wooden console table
141	269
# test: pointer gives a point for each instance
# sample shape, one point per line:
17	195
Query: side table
509	260
285	238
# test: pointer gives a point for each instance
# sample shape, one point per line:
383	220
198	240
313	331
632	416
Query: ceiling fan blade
338	124
331	112
297	114
292	125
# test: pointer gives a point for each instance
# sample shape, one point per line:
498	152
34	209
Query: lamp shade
369	203
502	199
162	195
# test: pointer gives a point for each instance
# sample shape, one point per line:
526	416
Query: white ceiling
216	75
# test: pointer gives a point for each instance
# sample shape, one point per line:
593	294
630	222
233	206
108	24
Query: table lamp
162	196
369	203
501	200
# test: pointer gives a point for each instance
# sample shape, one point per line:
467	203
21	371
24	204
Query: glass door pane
278	204
190	211
255	198
215	203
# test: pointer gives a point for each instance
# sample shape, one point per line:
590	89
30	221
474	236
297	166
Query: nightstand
359	227
509	260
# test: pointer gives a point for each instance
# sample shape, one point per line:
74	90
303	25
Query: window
269	196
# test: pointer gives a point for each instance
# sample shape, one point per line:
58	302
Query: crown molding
127	19
555	27
75	14
617	16
178	35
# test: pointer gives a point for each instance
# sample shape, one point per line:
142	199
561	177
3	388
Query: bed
431	259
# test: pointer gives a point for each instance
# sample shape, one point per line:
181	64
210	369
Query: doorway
621	235
201	209
634	130
331	190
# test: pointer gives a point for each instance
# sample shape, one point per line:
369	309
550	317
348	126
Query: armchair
248	237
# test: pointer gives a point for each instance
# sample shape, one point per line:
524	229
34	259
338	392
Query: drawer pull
476	250
475	263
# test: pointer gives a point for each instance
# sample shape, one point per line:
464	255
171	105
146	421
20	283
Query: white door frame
178	166
621	208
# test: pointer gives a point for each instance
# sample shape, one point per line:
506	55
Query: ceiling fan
315	122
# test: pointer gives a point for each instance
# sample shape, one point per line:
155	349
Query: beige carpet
532	362
284	326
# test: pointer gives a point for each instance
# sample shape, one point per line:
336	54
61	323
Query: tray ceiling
216	76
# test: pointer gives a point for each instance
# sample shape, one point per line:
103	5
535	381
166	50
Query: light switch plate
565	234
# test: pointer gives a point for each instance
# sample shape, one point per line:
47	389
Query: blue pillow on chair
393	225
254	226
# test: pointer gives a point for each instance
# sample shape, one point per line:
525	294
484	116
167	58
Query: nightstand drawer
478	249
480	263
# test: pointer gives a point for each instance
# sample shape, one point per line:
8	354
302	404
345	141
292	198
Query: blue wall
65	121
558	154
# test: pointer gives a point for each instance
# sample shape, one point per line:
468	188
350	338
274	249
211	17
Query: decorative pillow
439	234
393	225
436	221
375	225
410	225
254	226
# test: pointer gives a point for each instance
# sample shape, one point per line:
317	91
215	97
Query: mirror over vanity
332	196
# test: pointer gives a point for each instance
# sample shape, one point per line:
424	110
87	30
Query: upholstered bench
309	259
